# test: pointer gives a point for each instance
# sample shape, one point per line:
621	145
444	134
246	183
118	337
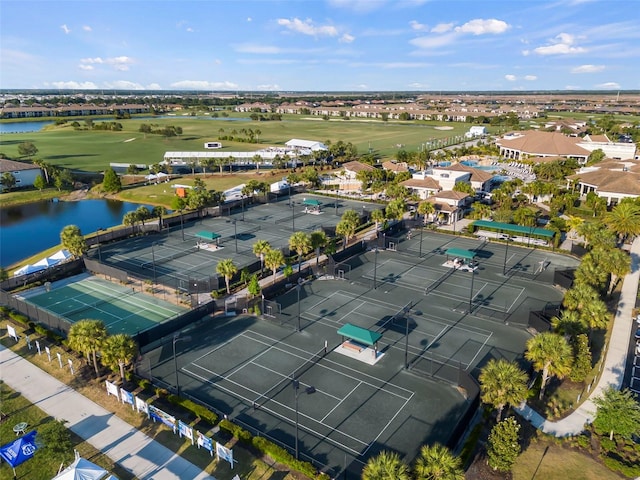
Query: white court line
484	284
387	425
438	336
351	311
479	350
514	302
340	402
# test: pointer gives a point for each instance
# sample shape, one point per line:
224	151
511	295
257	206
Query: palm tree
436	462
273	259
347	225
377	216
259	249
502	383
385	466
624	219
568	323
119	350
301	244
159	211
573	224
426	208
579	295
318	240
551	354
614	261
88	337
228	269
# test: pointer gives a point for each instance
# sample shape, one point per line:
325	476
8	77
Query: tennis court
121	308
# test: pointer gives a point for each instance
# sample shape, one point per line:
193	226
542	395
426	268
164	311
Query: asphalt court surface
343	403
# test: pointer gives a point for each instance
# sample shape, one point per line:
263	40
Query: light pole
182	225
308	390
375	267
293	216
473	274
178	338
298	288
506	251
153	259
235	234
242	199
421	230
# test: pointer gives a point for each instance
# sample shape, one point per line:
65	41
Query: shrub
608	445
196	409
631	471
143	383
161	392
583	441
19	318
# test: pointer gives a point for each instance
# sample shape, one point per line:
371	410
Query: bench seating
353	346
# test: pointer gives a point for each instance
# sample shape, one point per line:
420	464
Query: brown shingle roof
477	175
13	166
428	183
356	166
613	181
395	166
452	195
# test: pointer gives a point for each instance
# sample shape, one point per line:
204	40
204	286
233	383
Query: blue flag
20	450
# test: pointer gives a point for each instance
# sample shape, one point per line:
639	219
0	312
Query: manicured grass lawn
558	463
94	150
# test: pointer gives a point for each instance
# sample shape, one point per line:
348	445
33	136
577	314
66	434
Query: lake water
29	229
23	127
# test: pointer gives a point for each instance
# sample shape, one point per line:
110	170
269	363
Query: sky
320	45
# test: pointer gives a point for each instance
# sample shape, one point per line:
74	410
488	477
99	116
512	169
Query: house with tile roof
449	206
395	167
24	173
422	187
532	143
611	180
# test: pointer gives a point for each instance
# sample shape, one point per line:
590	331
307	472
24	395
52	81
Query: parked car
638	349
637	336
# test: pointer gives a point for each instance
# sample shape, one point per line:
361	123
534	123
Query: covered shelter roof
459	252
208	235
359	334
311	202
511	228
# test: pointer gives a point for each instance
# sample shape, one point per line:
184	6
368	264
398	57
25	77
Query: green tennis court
120	307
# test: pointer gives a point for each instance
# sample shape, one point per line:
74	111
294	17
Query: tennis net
288	379
97	303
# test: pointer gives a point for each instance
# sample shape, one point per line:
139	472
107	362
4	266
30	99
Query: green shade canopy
359	334
208	235
511	228
311	202
459	252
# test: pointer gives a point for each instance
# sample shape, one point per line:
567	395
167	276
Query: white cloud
530	78
265	61
270	88
120	64
573	87
562	44
481	26
71	85
86	28
249	19
511	78
124	85
417	26
204	85
306	27
588	69
442	28
362	86
85	67
255	48
154	86
434	42
217	61
418	86
346	38
609	86
65	29
359	6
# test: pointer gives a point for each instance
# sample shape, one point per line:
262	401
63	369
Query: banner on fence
112	389
12	332
142	406
157	414
205	442
127	397
224	453
185	430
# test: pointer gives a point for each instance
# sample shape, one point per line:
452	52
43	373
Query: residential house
610	180
24	173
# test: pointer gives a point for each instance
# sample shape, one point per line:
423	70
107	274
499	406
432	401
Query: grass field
94	150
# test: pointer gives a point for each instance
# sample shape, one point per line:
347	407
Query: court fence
564	278
106	270
53	322
57	272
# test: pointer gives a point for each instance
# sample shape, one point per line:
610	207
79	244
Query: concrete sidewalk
614	362
125	445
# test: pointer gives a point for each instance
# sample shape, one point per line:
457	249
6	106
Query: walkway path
125	445
614	362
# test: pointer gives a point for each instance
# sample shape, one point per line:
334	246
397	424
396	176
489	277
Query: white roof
310	144
82	469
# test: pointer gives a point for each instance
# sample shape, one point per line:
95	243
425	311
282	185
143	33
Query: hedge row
196	409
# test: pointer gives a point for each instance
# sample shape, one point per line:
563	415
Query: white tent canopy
83	469
28	269
61	255
46	262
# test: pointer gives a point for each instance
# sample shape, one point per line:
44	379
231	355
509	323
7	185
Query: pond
23	127
29	229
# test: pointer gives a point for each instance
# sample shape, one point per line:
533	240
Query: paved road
125	445
614	362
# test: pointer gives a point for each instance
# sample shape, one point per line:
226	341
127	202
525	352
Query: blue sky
321	45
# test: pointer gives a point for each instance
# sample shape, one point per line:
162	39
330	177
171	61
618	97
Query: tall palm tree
227	269
118	351
568	323
624	219
377	216
591	271
273	259
301	244
159	211
426	208
579	295
260	248
385	466
551	354
502	383
318	240
87	337
436	462
614	261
